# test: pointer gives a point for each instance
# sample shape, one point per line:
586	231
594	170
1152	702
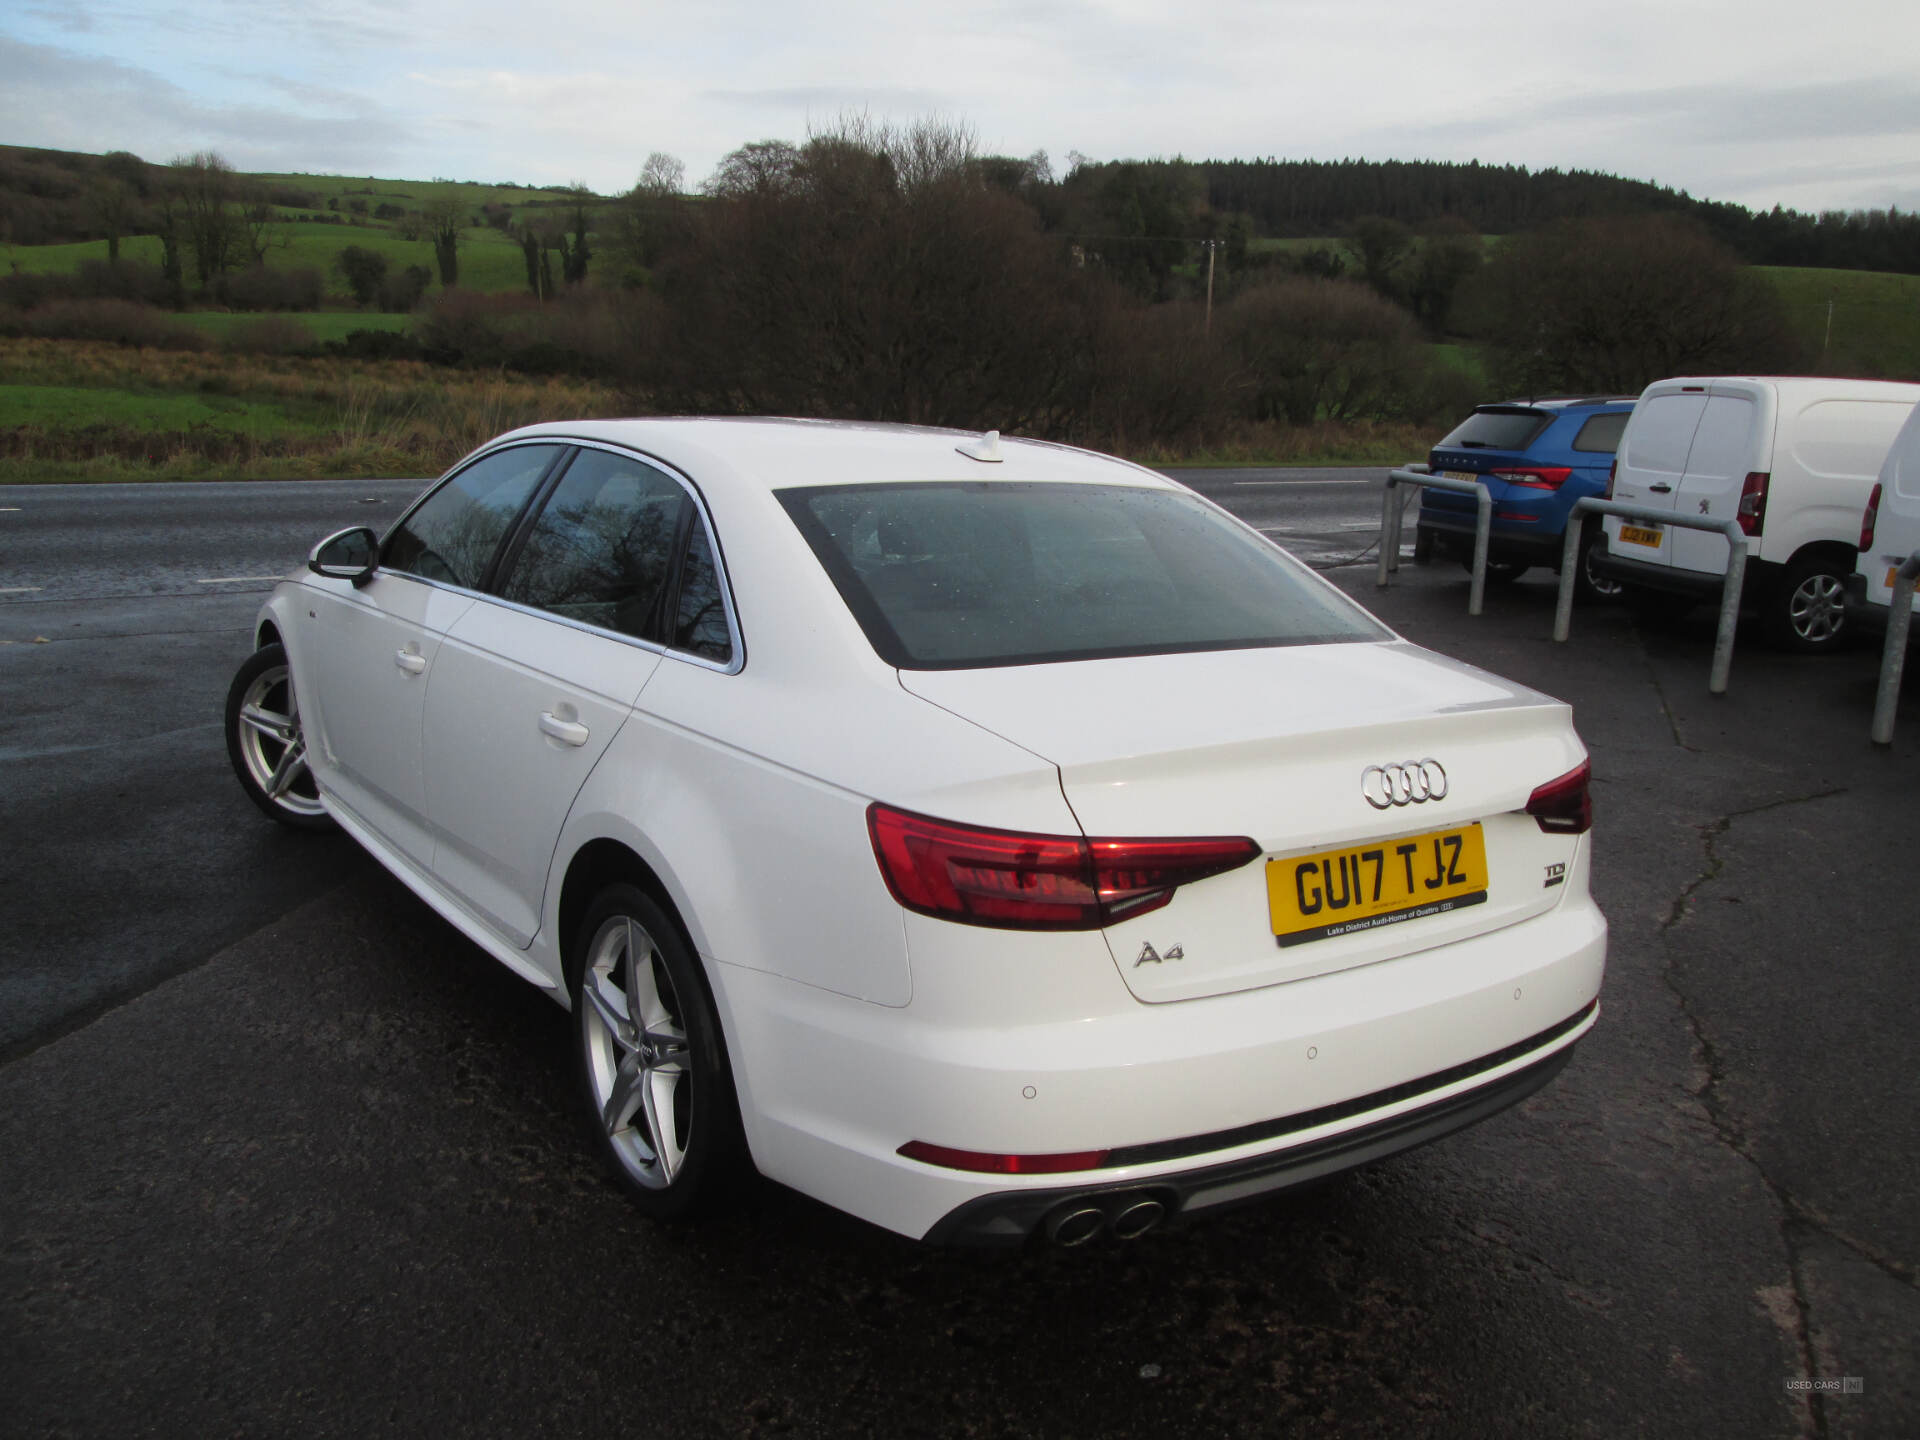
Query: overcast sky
1805	103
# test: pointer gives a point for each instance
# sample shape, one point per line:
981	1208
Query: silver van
1792	460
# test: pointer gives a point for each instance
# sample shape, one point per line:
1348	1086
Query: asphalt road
282	1154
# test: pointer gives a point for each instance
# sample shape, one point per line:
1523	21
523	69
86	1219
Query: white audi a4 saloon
989	838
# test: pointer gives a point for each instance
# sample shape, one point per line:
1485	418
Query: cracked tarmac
327	1181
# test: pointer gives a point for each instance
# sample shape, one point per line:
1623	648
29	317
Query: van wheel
1807	612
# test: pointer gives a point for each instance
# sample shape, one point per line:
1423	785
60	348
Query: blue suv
1536	457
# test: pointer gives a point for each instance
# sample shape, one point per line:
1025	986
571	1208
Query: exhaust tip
1135	1217
1075	1224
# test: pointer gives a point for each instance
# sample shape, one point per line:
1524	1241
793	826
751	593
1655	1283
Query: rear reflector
980	1161
1613	473
1537	477
1753	502
1870	521
1012	880
1564	806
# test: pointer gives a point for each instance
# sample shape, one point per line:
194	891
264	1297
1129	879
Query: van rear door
1650	466
1728	444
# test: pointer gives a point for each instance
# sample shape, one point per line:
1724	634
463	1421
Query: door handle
566	731
408	661
1661	489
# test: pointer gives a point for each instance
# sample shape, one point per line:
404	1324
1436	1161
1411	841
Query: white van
1890	528
1791	459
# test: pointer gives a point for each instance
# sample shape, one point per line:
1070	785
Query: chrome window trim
733	667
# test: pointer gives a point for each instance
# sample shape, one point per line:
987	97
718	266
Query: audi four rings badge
1411	782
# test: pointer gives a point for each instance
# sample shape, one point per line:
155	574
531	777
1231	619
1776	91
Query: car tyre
1806	611
1589	585
267	745
649	1058
1502	572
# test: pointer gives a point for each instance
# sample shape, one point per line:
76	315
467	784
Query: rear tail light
1753	502
928	1153
1564	806
1870	521
1017	881
1613	473
1536	477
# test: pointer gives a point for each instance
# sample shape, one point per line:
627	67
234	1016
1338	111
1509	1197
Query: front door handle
410	661
568	732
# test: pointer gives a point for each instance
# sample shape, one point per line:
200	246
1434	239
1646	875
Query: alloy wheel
638	1065
273	746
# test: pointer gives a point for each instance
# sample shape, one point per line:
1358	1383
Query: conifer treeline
1323	197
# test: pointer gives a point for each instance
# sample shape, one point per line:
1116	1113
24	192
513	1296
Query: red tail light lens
1537	477
1564	806
982	1162
1870	521
1753	502
1613	473
1017	881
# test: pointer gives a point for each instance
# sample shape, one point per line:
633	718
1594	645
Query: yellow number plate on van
1362	887
1640	535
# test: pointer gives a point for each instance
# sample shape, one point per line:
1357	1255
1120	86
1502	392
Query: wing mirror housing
346	555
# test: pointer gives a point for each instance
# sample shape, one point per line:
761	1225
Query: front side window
951	576
454	533
601	551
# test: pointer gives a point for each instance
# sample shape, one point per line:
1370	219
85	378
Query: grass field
51	407
1875	319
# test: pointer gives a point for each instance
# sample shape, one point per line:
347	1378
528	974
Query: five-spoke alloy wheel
651	1064
266	744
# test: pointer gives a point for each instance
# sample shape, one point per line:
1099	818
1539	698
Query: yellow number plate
1461	475
1638	535
1893	577
1336	892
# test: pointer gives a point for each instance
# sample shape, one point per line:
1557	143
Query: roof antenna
985	449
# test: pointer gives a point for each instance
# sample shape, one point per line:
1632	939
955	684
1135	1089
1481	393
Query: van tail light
1012	880
1870	521
1613	473
1565	806
1753	502
1535	477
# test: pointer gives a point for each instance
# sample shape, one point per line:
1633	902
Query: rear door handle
1661	489
566	731
408	661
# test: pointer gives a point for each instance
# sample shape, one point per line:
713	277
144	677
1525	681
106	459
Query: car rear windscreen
1496	430
963	575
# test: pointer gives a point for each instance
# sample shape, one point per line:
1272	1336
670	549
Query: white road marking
1297	484
236	579
9	509
18	589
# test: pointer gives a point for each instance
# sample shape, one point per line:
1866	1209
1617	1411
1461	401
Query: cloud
132	108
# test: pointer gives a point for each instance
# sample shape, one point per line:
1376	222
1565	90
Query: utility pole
1829	340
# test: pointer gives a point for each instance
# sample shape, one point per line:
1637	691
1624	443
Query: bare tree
444	218
219	224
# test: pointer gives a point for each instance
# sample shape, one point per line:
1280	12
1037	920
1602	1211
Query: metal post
1730	589
1482	525
1389	530
1893	657
1569	564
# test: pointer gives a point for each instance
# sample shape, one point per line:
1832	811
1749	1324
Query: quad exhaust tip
1128	1216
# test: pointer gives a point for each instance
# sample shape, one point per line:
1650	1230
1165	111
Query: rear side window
1513	429
454	533
1601	434
602	550
700	621
964	575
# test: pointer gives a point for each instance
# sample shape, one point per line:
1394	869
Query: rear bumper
1504	541
1201	1103
1009	1218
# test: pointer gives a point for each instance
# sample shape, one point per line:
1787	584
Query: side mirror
346	555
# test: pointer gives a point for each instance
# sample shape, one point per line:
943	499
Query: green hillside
1854	322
